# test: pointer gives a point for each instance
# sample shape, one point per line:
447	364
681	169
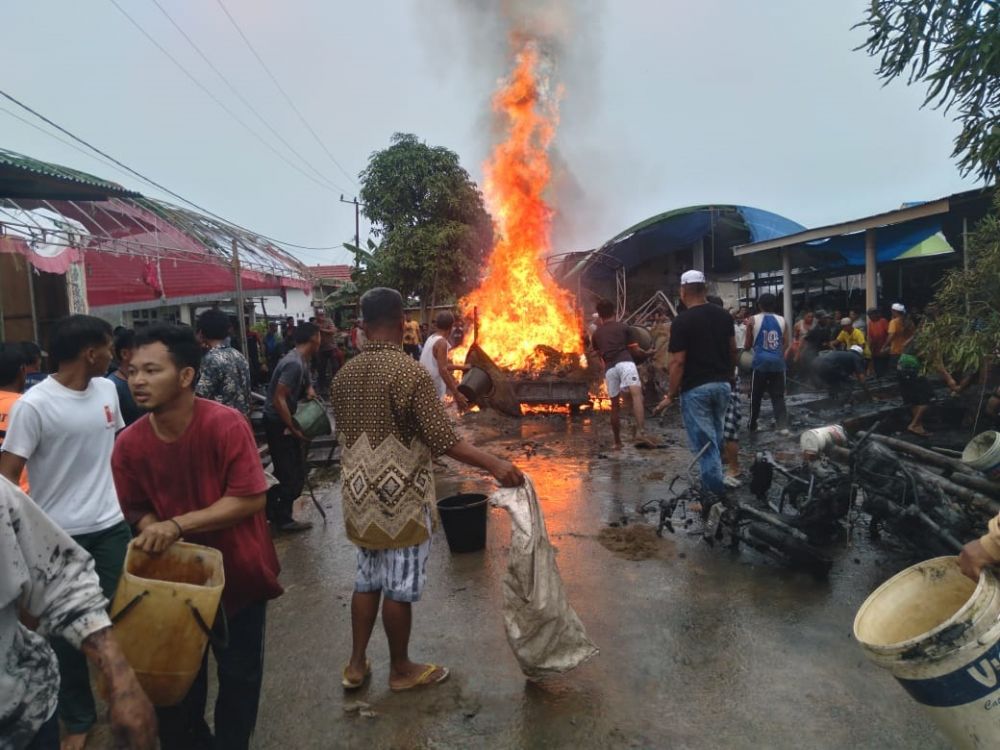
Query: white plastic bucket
746	360
938	633
983	453
817	440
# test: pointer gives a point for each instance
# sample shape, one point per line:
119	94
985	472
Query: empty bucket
312	419
938	633
163	609
983	453
476	384
817	440
464	521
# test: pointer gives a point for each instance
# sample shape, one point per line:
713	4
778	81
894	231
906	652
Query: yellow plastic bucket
163	611
938	633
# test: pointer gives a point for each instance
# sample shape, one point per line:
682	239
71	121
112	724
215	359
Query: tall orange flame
520	306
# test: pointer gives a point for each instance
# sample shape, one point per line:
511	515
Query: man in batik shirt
224	374
392	424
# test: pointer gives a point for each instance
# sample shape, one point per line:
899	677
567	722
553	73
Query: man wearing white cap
702	360
901	330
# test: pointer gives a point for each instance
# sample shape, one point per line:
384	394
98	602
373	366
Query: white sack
544	632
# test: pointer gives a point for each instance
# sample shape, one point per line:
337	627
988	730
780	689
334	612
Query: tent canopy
720	227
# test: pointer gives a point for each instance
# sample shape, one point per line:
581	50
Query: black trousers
289	468
773	384
324	369
240	673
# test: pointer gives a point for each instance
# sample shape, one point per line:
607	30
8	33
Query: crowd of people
91	452
821	349
90	461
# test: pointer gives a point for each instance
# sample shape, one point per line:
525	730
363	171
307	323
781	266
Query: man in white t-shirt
434	358
64	430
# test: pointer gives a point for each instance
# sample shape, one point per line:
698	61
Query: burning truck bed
553	379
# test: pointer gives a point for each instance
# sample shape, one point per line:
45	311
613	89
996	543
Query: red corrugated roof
338	273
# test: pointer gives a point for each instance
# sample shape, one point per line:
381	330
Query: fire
519	305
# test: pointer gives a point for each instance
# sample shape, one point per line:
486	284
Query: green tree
952	46
963	331
429	214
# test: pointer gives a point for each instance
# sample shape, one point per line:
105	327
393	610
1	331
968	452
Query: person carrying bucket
189	470
391	424
983	552
935	627
434	359
767	336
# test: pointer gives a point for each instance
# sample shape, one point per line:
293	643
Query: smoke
479	38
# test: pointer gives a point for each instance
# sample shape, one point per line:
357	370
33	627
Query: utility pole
357	226
239	298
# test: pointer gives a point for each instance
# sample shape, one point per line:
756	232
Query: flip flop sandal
424	679
351	685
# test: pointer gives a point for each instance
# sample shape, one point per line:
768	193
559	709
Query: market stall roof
720	226
24	177
915	230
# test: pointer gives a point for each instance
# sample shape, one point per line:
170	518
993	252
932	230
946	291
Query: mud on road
700	647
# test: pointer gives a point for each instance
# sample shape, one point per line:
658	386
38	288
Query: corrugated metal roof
15	168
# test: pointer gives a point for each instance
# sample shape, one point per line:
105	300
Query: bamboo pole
31	301
977	500
963	474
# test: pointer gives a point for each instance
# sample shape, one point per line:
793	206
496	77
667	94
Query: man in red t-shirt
189	469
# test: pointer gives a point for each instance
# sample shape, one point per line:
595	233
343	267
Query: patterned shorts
731	428
400	574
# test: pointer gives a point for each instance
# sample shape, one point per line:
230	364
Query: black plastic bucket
475	384
464	521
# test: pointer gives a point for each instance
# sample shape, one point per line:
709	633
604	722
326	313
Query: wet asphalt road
703	649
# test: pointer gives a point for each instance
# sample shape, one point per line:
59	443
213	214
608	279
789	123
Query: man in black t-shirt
702	361
610	339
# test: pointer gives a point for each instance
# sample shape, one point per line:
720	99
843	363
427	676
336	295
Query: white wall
299	306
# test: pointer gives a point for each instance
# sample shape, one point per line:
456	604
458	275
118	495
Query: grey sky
666	104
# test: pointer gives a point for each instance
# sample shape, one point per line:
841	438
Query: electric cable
284	93
332	187
153	182
306	162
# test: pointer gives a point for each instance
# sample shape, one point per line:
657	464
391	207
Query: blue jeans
703	410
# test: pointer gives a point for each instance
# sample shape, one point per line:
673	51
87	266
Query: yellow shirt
855	337
411	332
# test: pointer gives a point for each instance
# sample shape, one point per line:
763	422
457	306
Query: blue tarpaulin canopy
720	226
892	242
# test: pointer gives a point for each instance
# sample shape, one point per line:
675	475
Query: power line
240	96
284	93
221	104
151	181
63	141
